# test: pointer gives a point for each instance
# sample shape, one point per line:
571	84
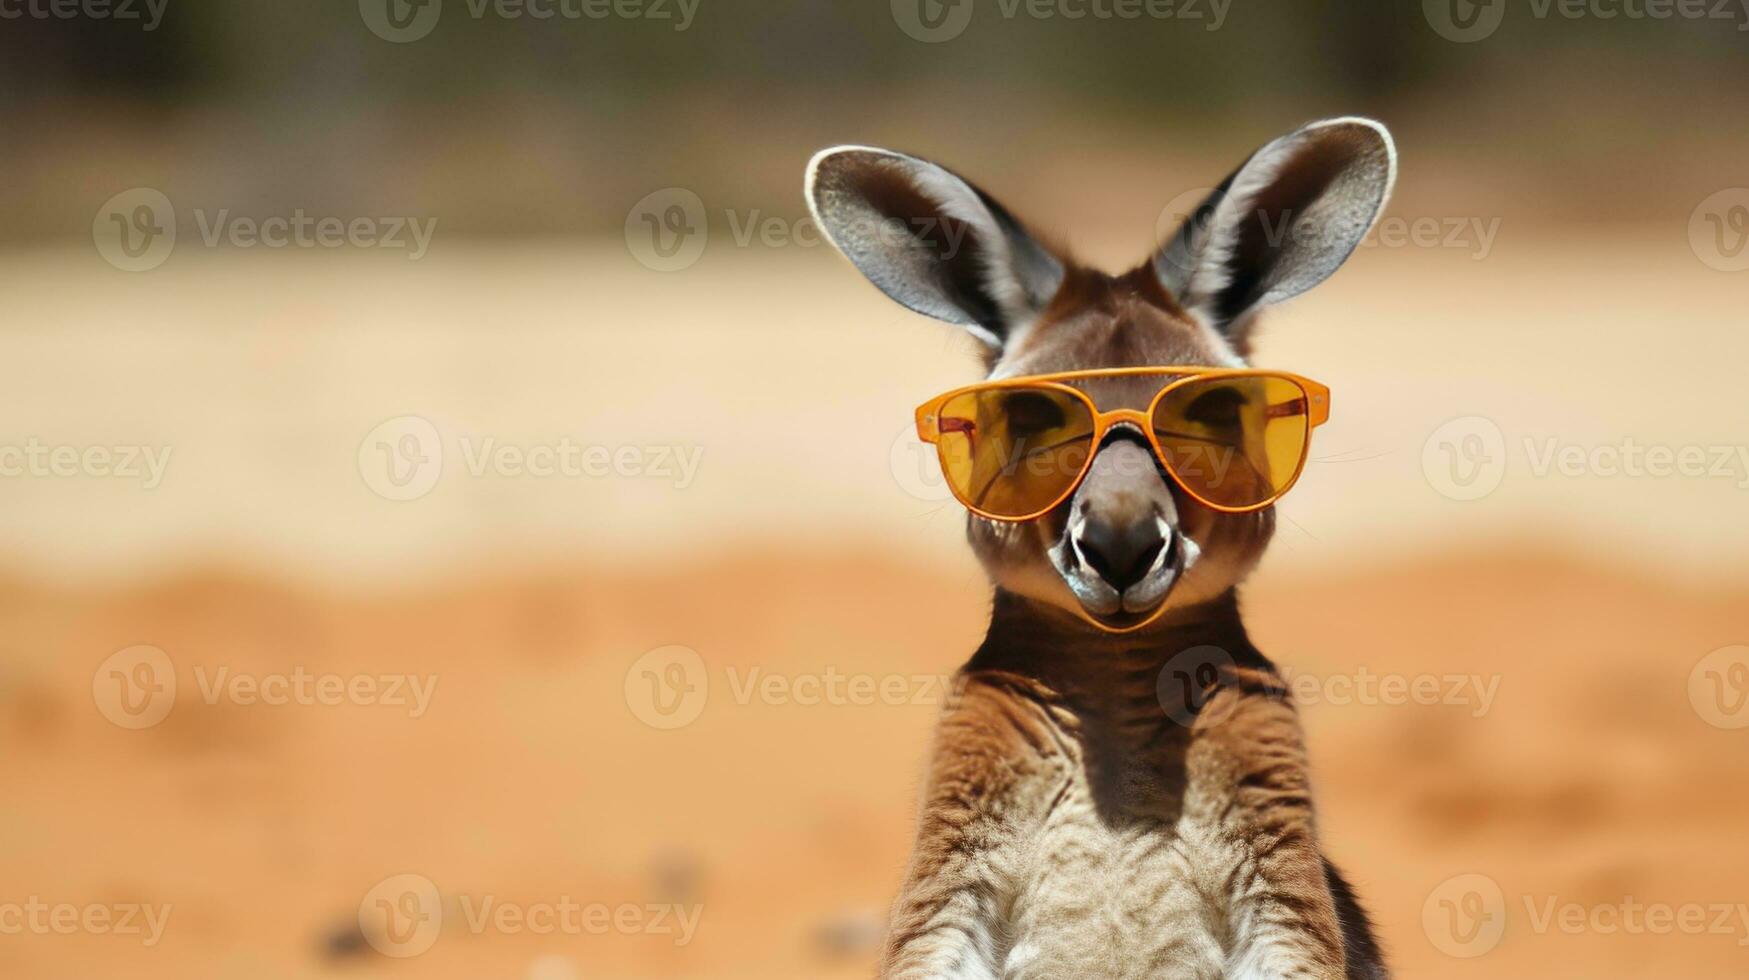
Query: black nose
1121	554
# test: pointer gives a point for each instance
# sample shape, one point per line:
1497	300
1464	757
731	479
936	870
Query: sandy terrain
1573	769
1561	617
262	374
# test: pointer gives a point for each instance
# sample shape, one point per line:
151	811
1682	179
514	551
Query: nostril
1121	555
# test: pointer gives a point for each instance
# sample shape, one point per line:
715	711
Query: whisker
1298	526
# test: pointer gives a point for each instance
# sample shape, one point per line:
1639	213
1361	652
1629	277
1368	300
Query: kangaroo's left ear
1281	224
931	240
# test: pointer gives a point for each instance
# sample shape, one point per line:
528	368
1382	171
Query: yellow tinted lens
1235	442
1011	452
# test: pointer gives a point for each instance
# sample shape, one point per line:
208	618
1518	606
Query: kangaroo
1119	785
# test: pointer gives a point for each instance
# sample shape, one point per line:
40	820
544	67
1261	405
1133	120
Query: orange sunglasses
1235	439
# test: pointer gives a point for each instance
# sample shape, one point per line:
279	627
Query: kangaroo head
1129	542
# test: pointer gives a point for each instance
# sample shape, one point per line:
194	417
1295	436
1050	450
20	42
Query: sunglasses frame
1317	413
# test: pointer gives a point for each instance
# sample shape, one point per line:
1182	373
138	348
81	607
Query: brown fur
1104	803
1050	711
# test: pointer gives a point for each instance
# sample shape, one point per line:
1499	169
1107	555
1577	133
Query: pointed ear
1281	224
931	241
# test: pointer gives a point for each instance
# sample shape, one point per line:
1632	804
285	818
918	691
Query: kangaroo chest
1125	869
1123	840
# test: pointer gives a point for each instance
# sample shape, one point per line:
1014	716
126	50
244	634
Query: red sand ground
1591	781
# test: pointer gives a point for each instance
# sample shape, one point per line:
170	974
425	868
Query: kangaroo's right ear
930	240
1281	224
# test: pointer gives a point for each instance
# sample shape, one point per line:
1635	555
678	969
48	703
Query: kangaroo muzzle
1121	550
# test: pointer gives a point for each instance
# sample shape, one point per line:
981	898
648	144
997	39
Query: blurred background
457	519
